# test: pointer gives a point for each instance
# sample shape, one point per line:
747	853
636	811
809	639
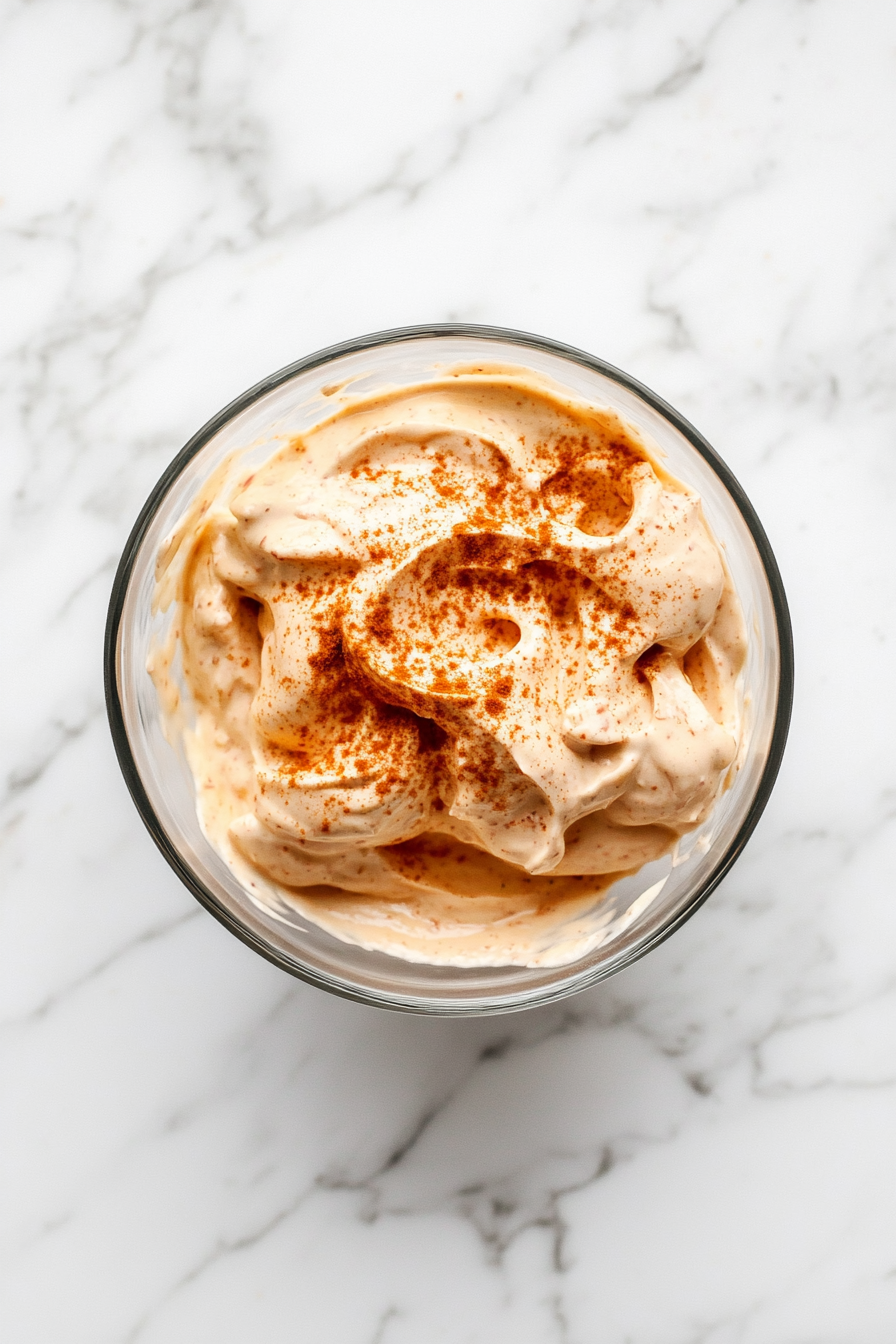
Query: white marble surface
195	1147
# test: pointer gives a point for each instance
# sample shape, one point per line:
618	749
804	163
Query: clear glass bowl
639	911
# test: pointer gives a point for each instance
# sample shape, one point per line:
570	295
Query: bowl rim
513	1001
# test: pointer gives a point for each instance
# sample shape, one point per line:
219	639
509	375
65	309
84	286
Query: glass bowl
639	911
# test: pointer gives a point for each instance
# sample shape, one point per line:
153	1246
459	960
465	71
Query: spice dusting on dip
451	663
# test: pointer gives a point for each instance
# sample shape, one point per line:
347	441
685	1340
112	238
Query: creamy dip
455	659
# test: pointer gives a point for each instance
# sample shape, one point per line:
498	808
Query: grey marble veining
194	1147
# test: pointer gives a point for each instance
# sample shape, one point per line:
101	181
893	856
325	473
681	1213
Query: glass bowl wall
639	911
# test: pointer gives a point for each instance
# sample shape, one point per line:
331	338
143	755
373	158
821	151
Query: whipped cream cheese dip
449	664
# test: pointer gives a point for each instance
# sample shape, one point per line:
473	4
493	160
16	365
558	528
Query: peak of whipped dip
456	658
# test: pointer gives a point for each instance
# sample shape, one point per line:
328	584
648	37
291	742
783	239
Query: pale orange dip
454	660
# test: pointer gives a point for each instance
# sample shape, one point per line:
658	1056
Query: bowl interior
638	911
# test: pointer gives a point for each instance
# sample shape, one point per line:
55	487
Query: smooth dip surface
450	663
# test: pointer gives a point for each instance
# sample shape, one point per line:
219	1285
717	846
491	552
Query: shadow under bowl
641	910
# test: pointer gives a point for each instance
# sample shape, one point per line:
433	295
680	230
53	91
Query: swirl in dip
454	660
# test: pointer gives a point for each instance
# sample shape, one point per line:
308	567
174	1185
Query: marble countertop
196	1147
